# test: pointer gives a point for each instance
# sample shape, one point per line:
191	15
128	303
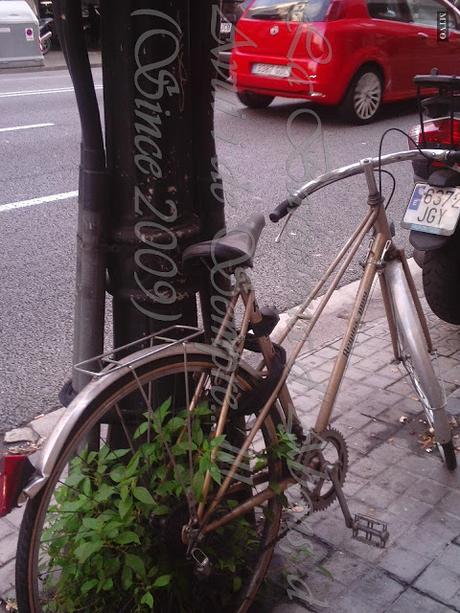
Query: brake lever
278	238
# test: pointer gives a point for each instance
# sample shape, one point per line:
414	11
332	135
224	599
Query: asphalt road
262	154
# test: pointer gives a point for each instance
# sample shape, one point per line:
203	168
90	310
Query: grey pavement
256	157
393	476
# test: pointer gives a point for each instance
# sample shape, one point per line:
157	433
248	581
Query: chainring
332	449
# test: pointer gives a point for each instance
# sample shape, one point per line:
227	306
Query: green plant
113	531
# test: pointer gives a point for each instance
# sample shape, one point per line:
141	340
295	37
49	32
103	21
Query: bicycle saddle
236	248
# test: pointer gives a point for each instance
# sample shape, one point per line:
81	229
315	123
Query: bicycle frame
381	250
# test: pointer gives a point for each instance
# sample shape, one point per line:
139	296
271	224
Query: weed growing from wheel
112	537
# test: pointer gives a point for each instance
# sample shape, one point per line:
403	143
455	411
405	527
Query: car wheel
254	101
363	99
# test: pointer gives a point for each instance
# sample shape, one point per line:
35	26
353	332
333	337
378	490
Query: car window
426	12
388	9
279	10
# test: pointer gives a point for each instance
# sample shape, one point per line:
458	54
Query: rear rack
122	357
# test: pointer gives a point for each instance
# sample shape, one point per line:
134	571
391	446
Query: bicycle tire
156	369
417	361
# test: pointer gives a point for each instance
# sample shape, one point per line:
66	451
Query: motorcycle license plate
435	210
225	27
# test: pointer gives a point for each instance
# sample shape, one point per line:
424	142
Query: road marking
40	92
42	200
34	125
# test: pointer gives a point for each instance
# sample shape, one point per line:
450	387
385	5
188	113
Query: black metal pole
90	276
160	155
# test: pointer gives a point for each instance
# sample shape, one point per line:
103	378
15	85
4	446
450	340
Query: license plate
272	70
225	27
435	210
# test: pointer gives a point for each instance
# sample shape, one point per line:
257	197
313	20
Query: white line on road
40	92
42	200
34	125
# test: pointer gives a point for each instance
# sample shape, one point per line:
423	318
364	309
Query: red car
356	54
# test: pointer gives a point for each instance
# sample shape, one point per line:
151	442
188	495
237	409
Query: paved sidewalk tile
391	477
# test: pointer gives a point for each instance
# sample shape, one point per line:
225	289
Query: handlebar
294	201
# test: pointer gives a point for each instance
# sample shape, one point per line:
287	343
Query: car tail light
15	471
336	10
444	132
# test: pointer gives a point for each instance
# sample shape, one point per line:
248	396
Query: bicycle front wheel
417	361
106	530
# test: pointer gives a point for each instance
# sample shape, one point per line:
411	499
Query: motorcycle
45	27
434	209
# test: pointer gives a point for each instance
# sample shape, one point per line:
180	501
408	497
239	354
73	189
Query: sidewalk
391	476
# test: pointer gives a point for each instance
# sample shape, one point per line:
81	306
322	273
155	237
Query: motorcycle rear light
444	132
15	471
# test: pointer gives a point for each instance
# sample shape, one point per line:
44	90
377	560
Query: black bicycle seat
236	248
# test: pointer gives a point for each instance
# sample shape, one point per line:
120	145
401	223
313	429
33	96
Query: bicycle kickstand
364	528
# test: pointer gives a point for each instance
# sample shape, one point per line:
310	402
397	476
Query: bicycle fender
45	459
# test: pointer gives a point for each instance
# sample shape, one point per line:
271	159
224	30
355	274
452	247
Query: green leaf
104	493
124	507
216	441
162	581
141	430
86	486
142	494
215	473
135	563
197	484
128	537
88	585
175	424
108	584
126	577
117	454
202	409
92	523
147	599
74	478
118	474
74	506
85	550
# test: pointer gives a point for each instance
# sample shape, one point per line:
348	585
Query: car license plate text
435	210
272	70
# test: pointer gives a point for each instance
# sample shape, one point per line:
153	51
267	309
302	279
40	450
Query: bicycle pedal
370	530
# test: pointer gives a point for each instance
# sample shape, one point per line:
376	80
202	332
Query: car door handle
422	35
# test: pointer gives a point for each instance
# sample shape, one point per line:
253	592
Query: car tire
254	101
363	99
441	282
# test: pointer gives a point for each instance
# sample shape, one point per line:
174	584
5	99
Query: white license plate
273	70
225	27
435	210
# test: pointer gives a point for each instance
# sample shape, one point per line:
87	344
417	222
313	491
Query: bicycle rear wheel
417	361
105	532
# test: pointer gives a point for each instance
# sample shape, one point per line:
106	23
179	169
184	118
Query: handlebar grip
453	157
284	208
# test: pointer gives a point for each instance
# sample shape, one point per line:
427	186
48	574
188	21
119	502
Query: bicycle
223	433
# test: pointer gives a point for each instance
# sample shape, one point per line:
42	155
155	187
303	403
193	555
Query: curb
4	71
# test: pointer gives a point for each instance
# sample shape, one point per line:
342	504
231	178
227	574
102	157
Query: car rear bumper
308	80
